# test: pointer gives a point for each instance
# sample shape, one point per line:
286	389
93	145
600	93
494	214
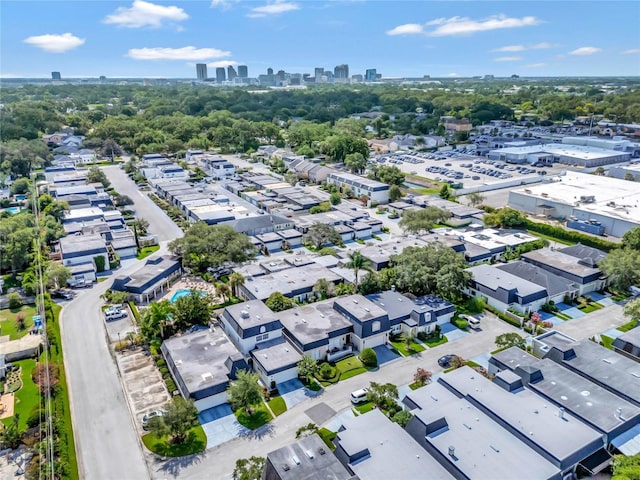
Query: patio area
189	283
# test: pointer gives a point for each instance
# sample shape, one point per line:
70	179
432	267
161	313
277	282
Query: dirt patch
6	405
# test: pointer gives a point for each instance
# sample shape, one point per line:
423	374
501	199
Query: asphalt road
106	440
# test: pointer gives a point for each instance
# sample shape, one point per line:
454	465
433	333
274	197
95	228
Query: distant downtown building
243	71
201	71
56	76
231	73
370	75
220	75
341	71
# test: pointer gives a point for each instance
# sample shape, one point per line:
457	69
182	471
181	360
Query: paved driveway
293	392
220	425
452	332
385	355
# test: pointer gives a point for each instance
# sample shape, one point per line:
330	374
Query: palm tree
158	316
236	280
357	263
224	290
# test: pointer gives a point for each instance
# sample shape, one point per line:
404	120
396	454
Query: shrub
369	358
402	418
571	236
326	371
422	336
14	300
35	417
164	371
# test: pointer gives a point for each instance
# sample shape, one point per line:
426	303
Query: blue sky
139	38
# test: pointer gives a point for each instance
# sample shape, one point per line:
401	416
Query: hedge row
571	236
502	316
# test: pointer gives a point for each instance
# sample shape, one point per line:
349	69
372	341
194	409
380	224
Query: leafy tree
422	220
96	175
369	357
324	288
249	468
356	162
335	198
277	302
390	175
179	417
18	157
506	218
475	198
358	262
122	200
422	376
211	245
236	280
54	209
307	367
632	310
432	268
345	289
623	267
307	430
626	467
156	318
20	186
395	193
320	234
57	275
11	434
244	391
140	225
192	309
402	418
508	340
111	149
445	193
321	208
307	151
100	263
631	239
383	395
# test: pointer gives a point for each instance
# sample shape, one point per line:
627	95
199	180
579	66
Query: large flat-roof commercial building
376	191
612	202
570	154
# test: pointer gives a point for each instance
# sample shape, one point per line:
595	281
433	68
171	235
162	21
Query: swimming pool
184	292
13	210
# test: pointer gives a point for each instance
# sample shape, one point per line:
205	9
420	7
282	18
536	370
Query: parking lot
463	167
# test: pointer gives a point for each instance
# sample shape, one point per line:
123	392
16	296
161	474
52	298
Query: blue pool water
21	197
183	292
13	210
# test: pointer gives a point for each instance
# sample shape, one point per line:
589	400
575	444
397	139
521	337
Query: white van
473	322
359	396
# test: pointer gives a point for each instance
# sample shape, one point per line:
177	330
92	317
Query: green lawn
550	238
327	436
350	367
333	378
416	385
277	406
196	442
259	417
591	307
628	326
364	407
8	321
146	251
407	350
607	341
471	363
562	316
434	342
28	397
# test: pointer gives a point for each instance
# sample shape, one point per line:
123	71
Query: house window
259	338
375	326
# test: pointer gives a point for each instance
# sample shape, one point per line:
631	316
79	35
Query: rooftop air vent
286	467
296	460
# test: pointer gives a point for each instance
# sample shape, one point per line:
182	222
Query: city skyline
399	39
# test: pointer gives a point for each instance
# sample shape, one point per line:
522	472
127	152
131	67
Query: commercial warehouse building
578	196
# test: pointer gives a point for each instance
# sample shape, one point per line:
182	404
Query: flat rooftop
200	358
306	459
612	370
80	213
563	149
482	448
276	355
569	188
251	314
314	322
82	243
578	395
289	281
150	270
357	179
561	261
489	238
392	453
360	308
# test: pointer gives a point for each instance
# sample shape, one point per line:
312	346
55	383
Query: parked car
63	294
359	396
148	416
445	361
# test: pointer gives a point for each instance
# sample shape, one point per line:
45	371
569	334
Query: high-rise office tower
243	71
318	72
341	71
201	71
370	75
220	75
280	75
231	73
56	76
269	71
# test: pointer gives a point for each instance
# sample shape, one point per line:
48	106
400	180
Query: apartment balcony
337	353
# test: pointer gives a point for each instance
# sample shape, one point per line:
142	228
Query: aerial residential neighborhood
395	268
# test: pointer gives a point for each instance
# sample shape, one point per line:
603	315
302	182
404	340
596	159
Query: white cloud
585	51
453	75
522	48
275	8
223	64
223	4
145	14
55	43
536	65
510	48
406	29
468	26
184	53
631	51
507	59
